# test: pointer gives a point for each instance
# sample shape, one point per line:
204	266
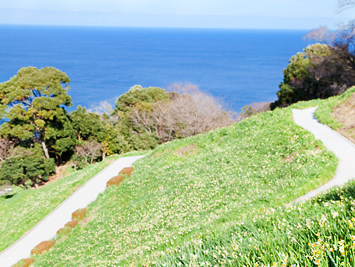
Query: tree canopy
320	71
138	95
33	103
38	131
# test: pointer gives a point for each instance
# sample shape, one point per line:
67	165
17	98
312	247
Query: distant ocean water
239	66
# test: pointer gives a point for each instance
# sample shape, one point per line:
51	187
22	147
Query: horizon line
151	27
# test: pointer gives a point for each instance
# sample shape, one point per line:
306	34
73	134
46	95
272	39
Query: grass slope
319	232
25	209
192	187
340	112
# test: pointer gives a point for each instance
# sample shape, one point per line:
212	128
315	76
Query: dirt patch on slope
345	114
187	151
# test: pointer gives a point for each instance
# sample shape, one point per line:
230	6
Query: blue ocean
238	66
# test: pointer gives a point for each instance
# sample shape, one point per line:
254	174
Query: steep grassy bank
327	113
192	187
339	113
319	232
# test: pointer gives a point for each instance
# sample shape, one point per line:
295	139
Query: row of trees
38	133
323	69
183	111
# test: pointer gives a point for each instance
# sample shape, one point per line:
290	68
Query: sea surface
238	66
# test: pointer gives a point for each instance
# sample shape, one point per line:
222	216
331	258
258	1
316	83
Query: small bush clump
115	180
126	171
42	247
79	214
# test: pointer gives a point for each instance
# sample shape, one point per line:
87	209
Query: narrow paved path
47	228
336	143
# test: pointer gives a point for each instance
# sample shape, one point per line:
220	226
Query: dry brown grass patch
345	114
42	247
187	151
159	154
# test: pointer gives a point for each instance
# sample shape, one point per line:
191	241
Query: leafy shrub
318	72
27	168
138	95
42	247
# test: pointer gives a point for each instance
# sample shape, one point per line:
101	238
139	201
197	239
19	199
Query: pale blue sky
272	14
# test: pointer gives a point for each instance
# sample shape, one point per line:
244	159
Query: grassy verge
26	208
189	188
319	232
326	108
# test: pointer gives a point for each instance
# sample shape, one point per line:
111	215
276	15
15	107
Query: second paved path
343	149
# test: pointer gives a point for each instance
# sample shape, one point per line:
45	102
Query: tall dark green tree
319	72
87	124
32	102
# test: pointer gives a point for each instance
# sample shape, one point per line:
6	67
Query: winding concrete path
47	228
343	149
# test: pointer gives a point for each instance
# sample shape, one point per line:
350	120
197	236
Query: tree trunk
45	150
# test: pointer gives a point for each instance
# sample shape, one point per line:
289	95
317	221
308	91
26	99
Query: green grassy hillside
25	209
319	232
191	188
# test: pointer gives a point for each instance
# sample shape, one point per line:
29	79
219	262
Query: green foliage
296	70
86	124
142	99
27	168
192	187
79	162
138	95
114	142
34	99
143	141
318	72
60	136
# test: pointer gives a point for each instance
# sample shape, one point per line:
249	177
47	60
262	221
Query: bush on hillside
254	108
317	72
27	168
138	95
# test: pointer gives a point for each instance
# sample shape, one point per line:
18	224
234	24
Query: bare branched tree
254	108
336	67
158	121
345	4
189	112
90	149
6	146
198	111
